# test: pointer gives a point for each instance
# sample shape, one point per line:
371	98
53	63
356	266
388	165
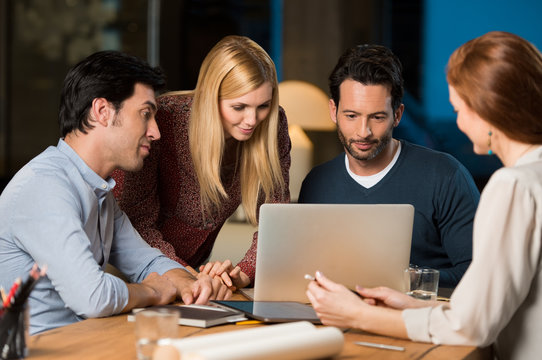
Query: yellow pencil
249	322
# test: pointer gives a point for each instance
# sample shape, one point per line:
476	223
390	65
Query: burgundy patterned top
163	200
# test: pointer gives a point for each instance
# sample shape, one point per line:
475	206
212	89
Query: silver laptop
367	245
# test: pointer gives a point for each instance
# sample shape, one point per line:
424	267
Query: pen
312	278
20	290
7	299
380	346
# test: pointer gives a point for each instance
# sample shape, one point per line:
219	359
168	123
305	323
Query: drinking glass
422	283
152	326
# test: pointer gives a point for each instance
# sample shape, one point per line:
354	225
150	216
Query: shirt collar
101	187
531	156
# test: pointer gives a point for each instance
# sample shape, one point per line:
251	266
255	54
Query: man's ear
398	115
333	111
101	111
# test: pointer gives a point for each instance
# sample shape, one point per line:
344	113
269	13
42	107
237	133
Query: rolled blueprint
299	340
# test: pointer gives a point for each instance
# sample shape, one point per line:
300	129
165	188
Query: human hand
163	290
334	304
210	288
233	277
383	296
198	287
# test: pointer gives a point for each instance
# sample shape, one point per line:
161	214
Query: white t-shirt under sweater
499	299
371	180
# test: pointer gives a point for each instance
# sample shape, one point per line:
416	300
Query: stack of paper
298	340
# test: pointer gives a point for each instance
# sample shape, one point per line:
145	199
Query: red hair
499	76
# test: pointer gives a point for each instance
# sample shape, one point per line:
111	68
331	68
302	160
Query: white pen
380	346
312	278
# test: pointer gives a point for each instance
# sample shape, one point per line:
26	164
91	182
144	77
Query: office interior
41	39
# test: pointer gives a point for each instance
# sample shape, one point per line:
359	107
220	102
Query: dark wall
190	28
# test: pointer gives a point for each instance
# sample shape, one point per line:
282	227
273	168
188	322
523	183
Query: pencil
27	286
12	291
2	295
248	322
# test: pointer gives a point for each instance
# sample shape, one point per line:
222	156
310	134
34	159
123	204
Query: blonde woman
223	144
495	84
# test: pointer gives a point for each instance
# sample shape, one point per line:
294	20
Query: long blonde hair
235	66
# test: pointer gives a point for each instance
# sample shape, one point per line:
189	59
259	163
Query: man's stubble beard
348	145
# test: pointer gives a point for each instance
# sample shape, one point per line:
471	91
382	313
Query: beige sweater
499	299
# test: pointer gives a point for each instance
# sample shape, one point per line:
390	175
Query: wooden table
113	338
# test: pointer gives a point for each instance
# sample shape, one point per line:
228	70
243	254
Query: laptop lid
353	244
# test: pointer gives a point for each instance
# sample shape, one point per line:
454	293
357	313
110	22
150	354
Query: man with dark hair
58	210
366	105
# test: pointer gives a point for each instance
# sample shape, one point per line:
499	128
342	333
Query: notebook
203	316
353	244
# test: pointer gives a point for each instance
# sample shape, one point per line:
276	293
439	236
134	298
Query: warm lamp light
306	105
301	159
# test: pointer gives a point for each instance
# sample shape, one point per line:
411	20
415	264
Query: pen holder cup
14	332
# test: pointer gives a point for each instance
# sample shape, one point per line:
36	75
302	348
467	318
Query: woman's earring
489	152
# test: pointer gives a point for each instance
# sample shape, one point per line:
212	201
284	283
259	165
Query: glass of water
153	325
422	283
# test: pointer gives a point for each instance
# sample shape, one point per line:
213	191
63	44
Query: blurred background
41	39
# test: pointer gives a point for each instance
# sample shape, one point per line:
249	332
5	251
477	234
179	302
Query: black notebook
198	315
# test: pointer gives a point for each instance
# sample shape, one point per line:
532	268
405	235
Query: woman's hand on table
198	288
231	276
384	296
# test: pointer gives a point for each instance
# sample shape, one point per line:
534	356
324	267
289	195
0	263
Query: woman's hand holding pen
335	304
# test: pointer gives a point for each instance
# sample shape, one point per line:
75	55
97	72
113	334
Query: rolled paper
224	338
299	340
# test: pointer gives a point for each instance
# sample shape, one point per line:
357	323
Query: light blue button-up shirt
57	212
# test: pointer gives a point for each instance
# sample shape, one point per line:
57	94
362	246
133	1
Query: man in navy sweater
366	105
